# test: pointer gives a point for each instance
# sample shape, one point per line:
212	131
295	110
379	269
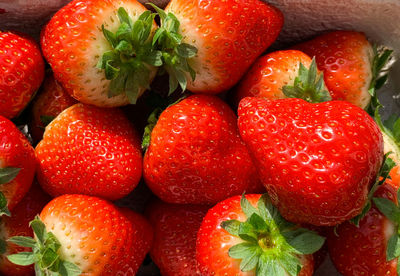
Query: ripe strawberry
248	236
47	105
226	37
102	56
323	157
175	232
86	235
196	155
368	248
350	65
18	224
89	150
17	165
22	72
272	76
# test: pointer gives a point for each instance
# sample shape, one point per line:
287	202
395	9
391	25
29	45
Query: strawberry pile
237	160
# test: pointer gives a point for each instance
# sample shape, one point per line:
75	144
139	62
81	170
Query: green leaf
111	71
398	266
49	257
23	241
8	174
110	37
39	229
247	232
3	206
258	223
22	258
249	262
38	271
393	247
124	47
69	269
241	250
388	208
307	242
124	17
291	263
186	50
247	208
231	226
356	220
269	266
154	58
173	83
159	11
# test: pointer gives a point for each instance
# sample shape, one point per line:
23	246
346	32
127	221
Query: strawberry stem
128	64
308	85
270	243
175	53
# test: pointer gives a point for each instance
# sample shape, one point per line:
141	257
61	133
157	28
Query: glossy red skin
317	161
362	250
51	100
73	42
18	225
229	36
175	233
345	59
196	155
213	242
270	73
16	152
99	237
21	72
89	150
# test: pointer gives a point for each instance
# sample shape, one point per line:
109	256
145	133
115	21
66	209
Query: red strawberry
102	56
175	232
196	155
283	74
317	161
349	64
17	165
47	105
89	150
248	236
18	225
226	37
21	72
364	250
86	235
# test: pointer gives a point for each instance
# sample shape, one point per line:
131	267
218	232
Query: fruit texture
175	232
89	150
15	153
51	100
21	72
73	43
229	36
317	161
196	155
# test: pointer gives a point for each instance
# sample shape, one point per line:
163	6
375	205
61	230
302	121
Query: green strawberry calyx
44	253
175	53
7	175
271	245
309	85
391	134
392	211
129	61
381	63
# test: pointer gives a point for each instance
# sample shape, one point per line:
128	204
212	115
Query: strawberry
371	248
195	153
89	150
283	74
51	100
248	236
175	233
85	235
100	50
22	72
18	224
351	66
17	165
317	161
209	45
